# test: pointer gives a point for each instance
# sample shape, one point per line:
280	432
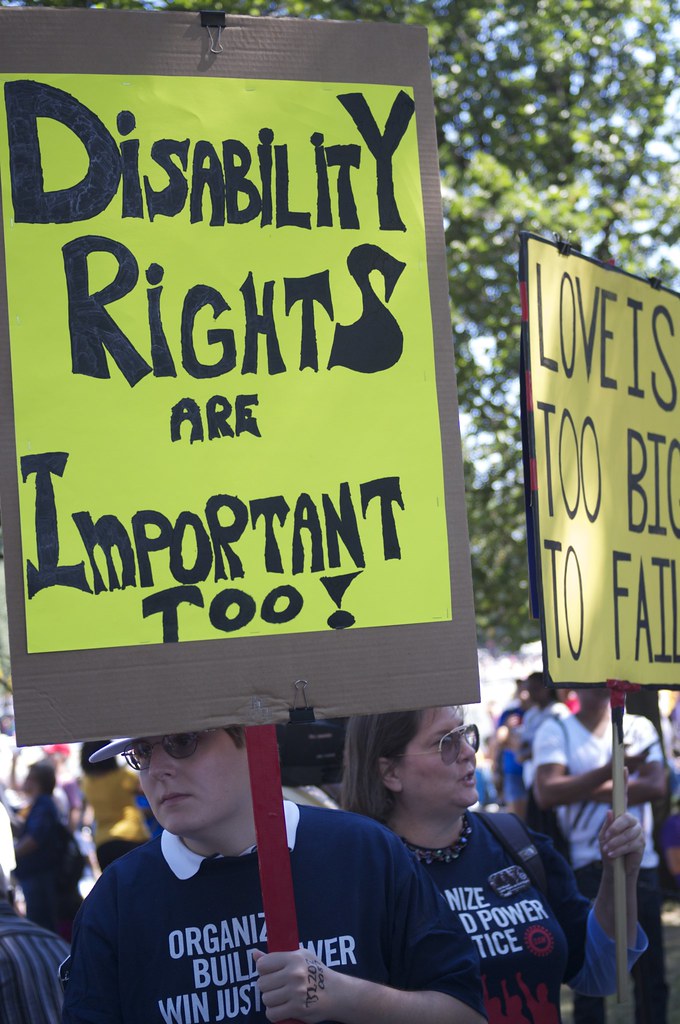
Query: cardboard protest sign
230	443
603	363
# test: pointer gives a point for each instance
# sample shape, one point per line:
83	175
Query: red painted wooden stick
276	881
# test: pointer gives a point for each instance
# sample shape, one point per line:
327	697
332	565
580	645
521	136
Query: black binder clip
214	21
304	714
563	245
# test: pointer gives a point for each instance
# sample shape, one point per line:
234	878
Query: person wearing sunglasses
174	931
414	771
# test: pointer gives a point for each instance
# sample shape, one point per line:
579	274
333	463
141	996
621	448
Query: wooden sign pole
276	881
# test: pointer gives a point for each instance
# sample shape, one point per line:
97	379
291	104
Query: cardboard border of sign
91	694
534	533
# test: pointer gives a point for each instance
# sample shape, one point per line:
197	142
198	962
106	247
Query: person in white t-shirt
544	702
7	858
573	773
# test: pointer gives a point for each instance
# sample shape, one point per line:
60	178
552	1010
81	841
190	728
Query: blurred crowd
506	764
62	821
549	759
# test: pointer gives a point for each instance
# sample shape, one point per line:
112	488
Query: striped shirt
30	991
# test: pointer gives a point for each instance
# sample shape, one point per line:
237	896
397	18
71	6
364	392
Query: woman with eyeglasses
175	930
414	771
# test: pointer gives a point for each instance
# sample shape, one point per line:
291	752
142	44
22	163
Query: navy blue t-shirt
43	825
151	948
528	943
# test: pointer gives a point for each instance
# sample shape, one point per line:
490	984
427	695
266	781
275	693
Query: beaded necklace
445	854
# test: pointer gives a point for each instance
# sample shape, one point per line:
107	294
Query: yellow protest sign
229	448
222	359
602	350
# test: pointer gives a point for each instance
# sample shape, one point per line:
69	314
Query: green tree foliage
554	116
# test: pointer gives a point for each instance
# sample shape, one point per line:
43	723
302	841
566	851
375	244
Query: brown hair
45	776
238	735
109	764
368	738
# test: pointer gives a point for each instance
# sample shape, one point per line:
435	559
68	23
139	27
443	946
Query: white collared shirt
184	863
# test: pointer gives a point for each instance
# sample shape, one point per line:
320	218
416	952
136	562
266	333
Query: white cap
111	749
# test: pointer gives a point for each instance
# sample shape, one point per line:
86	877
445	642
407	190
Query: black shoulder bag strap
512	834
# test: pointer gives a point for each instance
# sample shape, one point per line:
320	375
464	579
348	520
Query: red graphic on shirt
497	1014
541	1009
535	1008
538	940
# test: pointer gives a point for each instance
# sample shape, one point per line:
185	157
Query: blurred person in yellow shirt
112	792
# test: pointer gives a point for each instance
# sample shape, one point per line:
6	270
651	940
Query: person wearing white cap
174	931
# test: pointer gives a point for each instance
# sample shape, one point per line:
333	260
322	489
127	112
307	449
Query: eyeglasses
449	745
177	744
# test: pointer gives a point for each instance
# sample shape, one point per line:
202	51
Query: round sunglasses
177	745
450	744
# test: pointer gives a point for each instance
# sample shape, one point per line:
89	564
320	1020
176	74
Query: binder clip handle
305	714
214	21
